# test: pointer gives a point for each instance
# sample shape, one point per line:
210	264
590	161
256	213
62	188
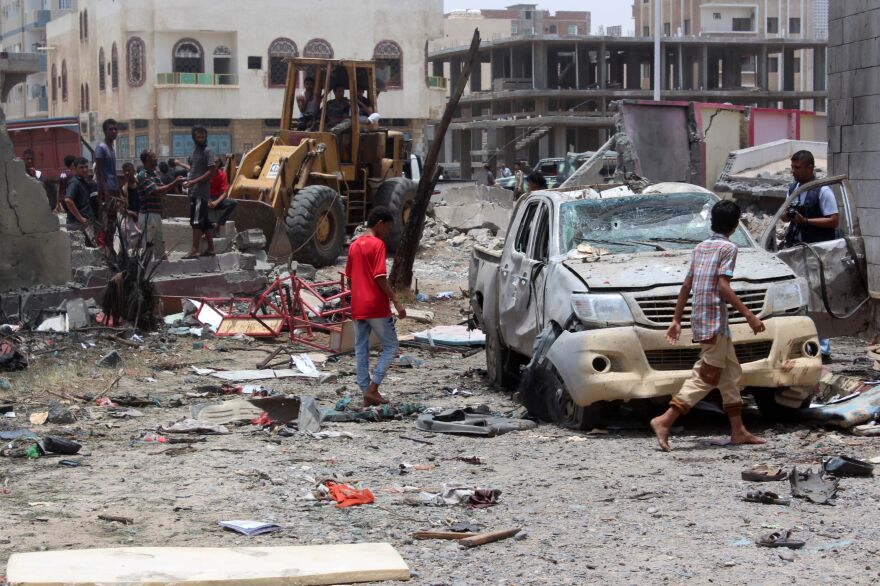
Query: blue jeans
387	334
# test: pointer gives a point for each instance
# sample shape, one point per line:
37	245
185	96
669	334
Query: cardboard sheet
209	566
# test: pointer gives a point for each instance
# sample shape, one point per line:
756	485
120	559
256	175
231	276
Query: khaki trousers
717	368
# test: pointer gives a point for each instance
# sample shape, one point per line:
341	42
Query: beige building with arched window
160	67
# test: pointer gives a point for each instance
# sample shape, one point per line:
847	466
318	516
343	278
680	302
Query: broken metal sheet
54	324
251	375
848	414
451	336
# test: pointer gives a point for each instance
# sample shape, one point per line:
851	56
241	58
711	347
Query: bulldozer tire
316	225
397	194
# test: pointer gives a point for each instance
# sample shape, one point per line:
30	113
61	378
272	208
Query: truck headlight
601	309
787	295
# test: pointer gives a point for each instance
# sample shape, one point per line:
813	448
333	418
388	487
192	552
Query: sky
603	12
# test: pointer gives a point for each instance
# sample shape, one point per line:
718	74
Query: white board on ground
209	566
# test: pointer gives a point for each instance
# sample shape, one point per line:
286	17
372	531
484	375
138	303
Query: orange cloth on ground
348	496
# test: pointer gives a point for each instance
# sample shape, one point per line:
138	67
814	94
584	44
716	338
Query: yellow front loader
322	182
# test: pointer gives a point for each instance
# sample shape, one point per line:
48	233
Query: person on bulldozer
309	103
339	108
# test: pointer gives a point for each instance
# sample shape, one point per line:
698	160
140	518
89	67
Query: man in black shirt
76	199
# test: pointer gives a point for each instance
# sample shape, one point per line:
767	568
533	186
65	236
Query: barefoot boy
718	368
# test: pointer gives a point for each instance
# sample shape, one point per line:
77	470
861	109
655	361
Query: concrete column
476	80
560	144
492	145
507	136
464	141
539	65
454	71
763	72
664	68
819	76
617	68
633	70
704	67
713	71
788	73
602	63
728	70
819	73
447	146
687	69
544	146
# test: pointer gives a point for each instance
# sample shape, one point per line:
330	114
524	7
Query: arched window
102	70
114	67
85	24
318	49
64	80
189	57
135	61
389	65
279	50
53	82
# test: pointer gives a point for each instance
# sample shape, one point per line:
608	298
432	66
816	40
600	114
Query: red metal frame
298	305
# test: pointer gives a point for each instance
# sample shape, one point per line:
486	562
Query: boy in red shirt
371	296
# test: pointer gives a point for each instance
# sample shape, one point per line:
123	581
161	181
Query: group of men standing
129	213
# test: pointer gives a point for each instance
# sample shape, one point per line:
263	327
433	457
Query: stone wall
854	113
33	248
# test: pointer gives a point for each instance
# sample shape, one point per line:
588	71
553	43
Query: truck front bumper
633	362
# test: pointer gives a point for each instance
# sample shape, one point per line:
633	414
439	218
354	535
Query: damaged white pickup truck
586	285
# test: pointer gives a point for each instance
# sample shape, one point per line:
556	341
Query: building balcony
207	80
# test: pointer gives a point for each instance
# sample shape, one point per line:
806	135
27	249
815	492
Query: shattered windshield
640	223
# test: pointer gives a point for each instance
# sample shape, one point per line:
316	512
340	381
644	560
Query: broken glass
633	223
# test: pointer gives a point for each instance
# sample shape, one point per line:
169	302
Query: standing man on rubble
813	216
108	184
202	170
371	296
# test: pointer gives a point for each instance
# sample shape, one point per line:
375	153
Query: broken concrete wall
475	206
761	174
33	248
660	140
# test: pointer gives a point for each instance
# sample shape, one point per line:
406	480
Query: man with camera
813	216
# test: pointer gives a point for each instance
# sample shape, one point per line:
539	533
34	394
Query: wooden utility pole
402	271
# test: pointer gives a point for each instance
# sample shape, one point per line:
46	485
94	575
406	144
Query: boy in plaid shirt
709	276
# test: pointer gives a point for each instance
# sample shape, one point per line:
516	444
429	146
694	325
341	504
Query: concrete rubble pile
470	214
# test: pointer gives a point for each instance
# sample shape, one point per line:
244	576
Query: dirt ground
596	508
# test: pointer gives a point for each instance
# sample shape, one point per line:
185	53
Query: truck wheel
397	194
766	400
316	225
498	362
558	406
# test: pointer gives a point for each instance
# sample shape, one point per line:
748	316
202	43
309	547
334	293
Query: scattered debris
845	466
813	486
472	421
250	528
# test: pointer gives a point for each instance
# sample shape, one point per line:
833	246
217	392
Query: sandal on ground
764	473
780	539
765	497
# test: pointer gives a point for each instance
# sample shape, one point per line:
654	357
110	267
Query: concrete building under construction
543	95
